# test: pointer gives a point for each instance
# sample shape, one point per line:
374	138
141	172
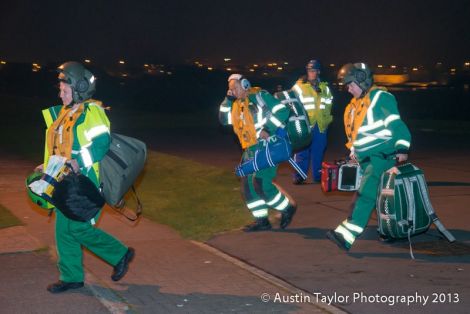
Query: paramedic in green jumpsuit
377	139
79	130
255	116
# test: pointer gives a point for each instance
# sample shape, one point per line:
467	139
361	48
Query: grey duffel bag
120	167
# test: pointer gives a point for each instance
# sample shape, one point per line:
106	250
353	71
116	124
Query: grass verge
7	219
195	199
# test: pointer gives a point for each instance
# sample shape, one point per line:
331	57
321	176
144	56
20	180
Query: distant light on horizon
227	59
122	62
279	68
146	65
415	69
3	62
332	65
380	66
286	63
36	67
229	69
466	64
87	60
255	65
252	70
210	68
393	66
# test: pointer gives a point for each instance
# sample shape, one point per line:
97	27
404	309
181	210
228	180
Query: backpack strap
430	211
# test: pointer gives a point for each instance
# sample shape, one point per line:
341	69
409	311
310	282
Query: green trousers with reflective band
366	197
259	191
71	235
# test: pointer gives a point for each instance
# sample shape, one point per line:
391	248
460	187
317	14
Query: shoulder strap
121	207
430	210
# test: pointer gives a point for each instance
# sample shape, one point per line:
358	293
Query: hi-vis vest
91	136
259	111
373	124
318	105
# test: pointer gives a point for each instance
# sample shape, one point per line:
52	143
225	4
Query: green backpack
403	205
297	126
119	169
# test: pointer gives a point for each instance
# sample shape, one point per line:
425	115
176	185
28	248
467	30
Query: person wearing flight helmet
256	116
79	131
377	139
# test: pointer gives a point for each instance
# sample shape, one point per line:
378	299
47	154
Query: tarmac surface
172	275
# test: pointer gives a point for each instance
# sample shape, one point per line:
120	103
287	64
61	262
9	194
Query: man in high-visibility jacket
79	130
377	139
317	99
256	116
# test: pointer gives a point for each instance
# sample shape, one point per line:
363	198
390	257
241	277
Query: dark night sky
401	32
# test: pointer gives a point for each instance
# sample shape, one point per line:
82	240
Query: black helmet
82	81
358	73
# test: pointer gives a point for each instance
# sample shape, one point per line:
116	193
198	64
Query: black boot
121	268
287	215
338	239
62	286
260	224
